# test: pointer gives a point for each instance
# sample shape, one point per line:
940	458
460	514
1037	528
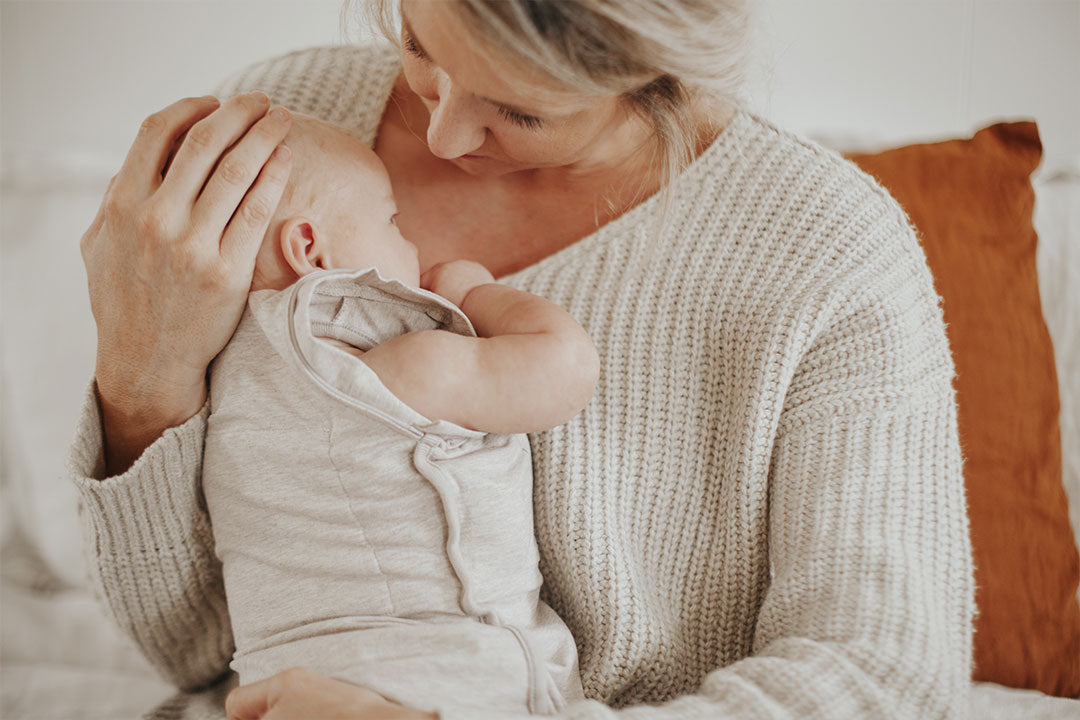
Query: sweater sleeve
871	598
150	551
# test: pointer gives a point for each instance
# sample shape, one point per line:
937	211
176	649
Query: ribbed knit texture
761	512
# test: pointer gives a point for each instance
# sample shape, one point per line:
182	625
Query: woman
761	512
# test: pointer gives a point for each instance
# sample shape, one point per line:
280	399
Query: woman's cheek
515	146
536	148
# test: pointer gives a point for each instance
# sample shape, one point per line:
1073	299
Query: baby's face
339	207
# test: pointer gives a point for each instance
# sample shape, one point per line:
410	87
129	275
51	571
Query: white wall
78	77
916	69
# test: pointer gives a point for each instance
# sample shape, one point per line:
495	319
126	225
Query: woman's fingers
244	234
206	142
248	702
237	171
300	694
141	171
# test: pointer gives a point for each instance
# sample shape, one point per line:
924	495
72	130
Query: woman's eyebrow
497	103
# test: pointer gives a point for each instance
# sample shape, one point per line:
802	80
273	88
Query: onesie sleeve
149	548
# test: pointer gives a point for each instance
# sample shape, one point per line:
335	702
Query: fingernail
261	97
282	152
209	99
279	114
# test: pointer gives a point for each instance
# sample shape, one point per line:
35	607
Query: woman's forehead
439	30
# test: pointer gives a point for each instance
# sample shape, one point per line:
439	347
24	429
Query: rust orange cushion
971	202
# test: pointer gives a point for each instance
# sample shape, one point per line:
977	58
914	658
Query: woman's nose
454	128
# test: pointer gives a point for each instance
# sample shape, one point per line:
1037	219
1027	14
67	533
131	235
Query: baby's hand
453	280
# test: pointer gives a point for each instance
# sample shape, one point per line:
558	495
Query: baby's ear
302	246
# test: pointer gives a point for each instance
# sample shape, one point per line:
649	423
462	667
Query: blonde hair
677	63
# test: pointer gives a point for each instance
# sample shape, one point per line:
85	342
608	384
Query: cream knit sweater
760	514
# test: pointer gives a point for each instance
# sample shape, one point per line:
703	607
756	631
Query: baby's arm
531	368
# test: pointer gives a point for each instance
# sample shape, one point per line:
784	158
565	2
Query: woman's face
495	118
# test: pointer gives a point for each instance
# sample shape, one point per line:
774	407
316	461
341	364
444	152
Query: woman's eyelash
412	47
529	122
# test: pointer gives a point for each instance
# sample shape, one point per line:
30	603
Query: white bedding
60	657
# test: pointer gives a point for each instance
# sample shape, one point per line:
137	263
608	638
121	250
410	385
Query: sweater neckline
635	218
639	218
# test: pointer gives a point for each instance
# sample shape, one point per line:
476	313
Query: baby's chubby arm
531	368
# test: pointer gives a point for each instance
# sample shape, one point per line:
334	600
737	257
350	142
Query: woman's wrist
133	419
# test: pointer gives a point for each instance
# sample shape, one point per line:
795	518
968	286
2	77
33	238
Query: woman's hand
453	280
300	694
169	259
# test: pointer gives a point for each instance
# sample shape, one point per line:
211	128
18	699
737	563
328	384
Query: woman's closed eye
412	46
522	120
529	122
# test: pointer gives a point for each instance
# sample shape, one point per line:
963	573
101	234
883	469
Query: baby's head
337	211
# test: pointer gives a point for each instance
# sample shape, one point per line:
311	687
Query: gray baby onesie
359	538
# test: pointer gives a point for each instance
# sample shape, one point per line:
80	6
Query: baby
371	506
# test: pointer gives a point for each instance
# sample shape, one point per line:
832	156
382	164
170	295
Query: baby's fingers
244	234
